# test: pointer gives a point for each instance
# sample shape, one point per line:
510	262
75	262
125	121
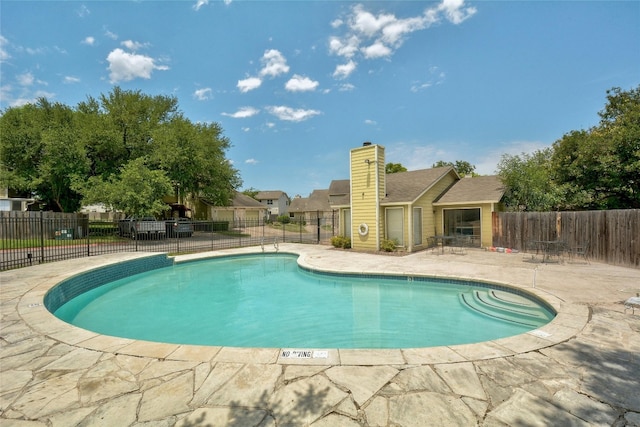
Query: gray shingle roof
270	195
243	201
488	189
339	192
405	187
317	201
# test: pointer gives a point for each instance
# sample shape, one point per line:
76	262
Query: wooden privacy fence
611	236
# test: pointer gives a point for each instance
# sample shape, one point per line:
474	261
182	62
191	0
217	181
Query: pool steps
503	306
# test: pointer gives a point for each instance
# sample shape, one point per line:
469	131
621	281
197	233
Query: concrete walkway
581	369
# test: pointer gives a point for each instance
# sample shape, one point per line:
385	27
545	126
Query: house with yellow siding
409	207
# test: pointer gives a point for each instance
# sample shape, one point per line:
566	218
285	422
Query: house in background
12	200
276	202
409	207
309	208
242	209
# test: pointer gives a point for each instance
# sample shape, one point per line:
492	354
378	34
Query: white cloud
455	11
202	94
248	84
124	66
376	50
347	87
370	122
243	113
347	47
83	11
89	40
344	70
131	45
199	4
111	35
274	63
291	114
379	36
300	84
25	79
4	55
251	162
434	77
71	80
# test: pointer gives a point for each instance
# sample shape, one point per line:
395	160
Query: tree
41	154
528	181
251	192
55	151
394	168
462	167
600	168
137	190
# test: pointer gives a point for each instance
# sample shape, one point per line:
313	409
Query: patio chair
460	244
579	251
432	244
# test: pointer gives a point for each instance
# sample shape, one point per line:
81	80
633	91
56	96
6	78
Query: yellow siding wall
432	223
364	199
486	239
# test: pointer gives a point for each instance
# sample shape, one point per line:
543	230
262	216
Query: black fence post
41	237
85	226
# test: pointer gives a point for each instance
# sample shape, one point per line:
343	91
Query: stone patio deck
581	369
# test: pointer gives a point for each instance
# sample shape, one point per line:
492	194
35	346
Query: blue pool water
268	301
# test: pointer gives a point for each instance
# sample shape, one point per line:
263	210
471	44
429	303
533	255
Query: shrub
341	242
283	219
389	245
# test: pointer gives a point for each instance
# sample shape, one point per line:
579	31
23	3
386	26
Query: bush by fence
612	236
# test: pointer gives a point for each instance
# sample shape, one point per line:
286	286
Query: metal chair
579	251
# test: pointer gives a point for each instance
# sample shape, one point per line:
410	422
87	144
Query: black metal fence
31	238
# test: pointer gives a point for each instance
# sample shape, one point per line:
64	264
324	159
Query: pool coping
569	321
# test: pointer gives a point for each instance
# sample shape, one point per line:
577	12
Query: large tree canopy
65	155
597	168
600	168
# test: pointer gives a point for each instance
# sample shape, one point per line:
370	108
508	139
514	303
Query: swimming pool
267	300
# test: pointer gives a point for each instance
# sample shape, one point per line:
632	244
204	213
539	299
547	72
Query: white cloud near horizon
379	36
125	66
243	113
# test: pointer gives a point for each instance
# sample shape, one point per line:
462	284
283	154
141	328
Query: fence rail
611	236
29	238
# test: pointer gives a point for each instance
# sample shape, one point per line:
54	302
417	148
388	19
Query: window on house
463	222
269	202
417	226
395	225
346	218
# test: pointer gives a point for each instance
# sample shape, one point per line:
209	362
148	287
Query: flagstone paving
581	369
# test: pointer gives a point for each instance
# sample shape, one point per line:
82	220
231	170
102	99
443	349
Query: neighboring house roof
270	195
478	189
407	187
243	201
240	200
339	192
317	201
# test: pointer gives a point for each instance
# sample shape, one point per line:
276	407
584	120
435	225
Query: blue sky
296	84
